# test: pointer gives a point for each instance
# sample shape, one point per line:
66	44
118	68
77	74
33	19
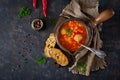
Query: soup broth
71	34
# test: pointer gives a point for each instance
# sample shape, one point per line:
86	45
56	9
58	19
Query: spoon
99	53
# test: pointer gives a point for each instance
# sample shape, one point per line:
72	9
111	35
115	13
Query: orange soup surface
71	34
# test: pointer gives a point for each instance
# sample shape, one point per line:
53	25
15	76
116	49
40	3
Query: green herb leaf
82	67
69	31
53	21
24	12
41	60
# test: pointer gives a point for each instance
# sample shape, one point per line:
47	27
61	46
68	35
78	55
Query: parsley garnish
24	12
69	31
41	60
82	67
53	21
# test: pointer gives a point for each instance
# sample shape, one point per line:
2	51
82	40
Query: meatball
78	37
63	31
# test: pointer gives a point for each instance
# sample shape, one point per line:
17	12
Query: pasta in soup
71	34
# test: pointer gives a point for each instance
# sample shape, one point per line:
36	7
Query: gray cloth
84	9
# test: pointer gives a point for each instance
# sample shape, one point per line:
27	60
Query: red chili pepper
34	3
44	3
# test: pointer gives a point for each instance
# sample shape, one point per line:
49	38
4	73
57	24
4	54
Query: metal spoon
99	53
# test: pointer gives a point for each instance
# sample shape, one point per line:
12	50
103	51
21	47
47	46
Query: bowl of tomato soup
71	34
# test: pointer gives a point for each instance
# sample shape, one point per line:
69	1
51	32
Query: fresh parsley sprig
24	12
82	67
41	60
68	31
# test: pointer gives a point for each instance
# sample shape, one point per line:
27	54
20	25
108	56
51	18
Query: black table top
20	45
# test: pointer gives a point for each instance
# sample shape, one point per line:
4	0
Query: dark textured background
20	45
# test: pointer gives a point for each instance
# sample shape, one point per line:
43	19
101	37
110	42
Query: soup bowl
73	32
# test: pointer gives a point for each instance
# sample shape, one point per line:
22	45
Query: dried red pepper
44	3
34	3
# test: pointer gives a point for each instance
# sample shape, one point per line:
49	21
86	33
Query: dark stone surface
20	44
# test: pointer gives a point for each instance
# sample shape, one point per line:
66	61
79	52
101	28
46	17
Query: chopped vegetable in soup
71	34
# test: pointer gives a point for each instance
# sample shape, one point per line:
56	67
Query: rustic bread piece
47	52
59	57
51	41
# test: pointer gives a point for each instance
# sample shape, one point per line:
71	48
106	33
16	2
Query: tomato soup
71	34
